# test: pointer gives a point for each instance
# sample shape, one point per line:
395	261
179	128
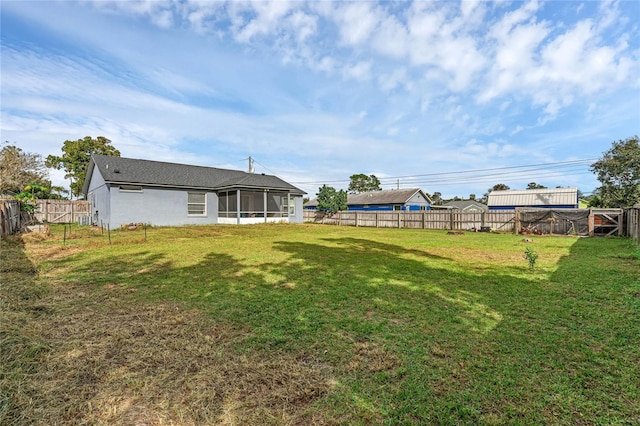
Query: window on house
397	208
196	203
286	209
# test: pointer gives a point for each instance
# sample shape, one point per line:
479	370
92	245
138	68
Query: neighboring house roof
389	196
465	205
534	197
157	173
311	203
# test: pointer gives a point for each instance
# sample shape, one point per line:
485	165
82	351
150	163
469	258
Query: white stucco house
125	190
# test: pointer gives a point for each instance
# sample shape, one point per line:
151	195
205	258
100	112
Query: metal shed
556	198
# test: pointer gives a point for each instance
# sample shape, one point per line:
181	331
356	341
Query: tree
619	173
533	185
363	183
19	168
76	156
436	198
472	197
35	191
499	187
330	200
58	192
496	187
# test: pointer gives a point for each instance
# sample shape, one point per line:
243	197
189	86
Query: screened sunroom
239	206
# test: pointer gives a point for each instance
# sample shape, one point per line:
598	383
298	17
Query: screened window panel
227	204
273	202
251	201
222	202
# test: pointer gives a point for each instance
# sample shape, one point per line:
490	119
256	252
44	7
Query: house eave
262	188
204	188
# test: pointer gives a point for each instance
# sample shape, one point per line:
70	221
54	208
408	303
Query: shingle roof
462	205
389	196
157	173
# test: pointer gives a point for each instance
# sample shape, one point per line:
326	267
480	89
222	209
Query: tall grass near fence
308	324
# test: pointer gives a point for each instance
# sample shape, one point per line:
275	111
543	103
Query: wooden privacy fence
633	223
430	219
540	221
9	217
62	211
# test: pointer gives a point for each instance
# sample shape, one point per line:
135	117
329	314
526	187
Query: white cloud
501	29
517	130
304	25
515	59
443	45
266	20
160	13
477	149
391	38
356	21
359	71
190	81
553	68
202	15
398	78
472	12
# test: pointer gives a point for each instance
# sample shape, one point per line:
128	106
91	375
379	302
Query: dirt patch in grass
372	357
162	365
89	355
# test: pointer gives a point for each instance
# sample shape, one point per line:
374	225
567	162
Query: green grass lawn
312	324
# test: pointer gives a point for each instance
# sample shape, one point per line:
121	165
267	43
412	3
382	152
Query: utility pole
251	169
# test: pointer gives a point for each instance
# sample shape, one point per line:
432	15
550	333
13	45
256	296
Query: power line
464	175
476	181
262	165
522	174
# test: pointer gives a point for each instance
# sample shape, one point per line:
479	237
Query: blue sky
446	96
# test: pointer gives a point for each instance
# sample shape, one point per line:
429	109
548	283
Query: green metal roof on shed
156	173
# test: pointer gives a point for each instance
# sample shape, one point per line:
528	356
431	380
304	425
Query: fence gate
606	222
62	211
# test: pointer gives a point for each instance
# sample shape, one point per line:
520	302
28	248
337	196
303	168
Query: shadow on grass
395	335
21	346
384	317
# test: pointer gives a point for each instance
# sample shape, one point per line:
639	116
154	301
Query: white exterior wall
159	207
98	195
417	200
298	216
